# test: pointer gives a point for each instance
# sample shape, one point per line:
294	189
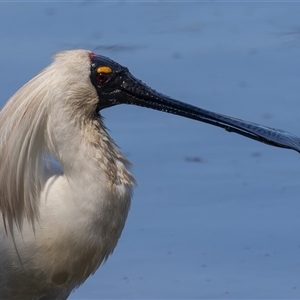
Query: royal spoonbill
60	223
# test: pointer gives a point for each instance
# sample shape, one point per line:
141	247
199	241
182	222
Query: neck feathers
22	146
53	115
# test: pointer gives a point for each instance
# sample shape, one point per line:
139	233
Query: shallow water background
215	215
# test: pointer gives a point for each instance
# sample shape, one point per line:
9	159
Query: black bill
119	86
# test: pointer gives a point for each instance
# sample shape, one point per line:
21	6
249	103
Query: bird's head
115	85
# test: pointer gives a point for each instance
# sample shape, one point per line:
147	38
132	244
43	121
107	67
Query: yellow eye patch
104	70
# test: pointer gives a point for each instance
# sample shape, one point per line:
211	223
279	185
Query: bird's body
82	209
60	223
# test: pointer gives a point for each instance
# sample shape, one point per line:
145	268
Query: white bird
60	223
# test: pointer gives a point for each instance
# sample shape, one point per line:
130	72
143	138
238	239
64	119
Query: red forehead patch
92	55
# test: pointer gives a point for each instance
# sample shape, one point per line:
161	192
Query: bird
65	186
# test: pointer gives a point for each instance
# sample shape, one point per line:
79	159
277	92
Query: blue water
214	215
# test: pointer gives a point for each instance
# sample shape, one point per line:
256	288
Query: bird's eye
102	77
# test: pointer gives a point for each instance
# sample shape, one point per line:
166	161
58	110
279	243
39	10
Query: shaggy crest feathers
26	142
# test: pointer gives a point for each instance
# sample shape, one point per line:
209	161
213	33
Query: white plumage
74	216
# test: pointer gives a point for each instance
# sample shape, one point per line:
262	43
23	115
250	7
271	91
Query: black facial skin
120	87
